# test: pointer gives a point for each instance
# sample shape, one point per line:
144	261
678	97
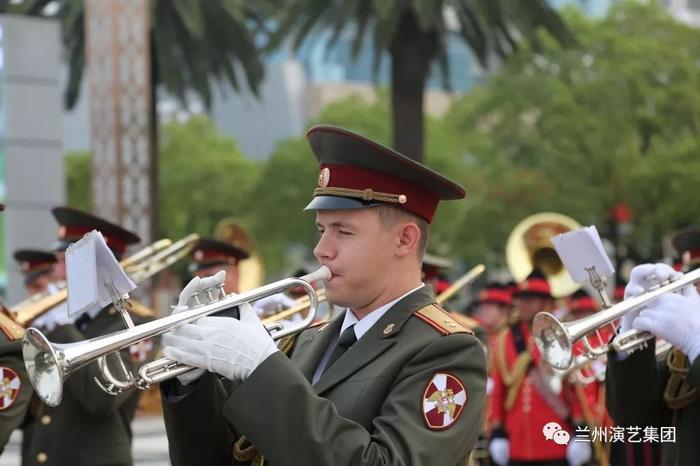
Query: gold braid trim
364	194
243	453
511	379
243	450
678	393
601	451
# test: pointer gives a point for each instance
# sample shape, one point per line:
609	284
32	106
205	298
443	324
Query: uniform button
42	457
46	419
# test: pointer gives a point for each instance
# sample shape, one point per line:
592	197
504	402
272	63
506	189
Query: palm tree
191	42
415	34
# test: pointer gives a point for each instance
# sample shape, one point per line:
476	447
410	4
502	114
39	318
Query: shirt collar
361	326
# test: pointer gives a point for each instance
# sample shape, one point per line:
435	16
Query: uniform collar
361	326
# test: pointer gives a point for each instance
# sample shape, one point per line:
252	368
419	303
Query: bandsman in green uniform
393	380
652	391
89	427
211	256
37	267
15	388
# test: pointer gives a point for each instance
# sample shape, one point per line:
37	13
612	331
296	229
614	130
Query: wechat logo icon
553	431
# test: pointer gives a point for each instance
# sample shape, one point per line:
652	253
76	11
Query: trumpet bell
553	341
42	363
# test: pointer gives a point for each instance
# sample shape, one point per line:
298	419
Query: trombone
555	339
140	266
302	305
463	281
49	364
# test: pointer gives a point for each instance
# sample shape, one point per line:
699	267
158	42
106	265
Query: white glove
499	450
578	453
230	347
676	319
185	301
642	278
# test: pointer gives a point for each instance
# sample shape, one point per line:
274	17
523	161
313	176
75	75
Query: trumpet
582	372
140	266
49	364
555	339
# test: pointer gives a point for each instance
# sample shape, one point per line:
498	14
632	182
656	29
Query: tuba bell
251	271
529	245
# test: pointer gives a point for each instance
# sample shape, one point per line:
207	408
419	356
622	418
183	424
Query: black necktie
345	341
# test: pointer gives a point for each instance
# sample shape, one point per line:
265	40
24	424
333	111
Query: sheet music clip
600	285
582	253
119	302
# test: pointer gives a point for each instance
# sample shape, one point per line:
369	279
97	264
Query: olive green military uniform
635	389
15	388
381	402
89	426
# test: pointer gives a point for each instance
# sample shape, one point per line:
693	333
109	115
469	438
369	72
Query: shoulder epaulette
465	320
10	328
441	320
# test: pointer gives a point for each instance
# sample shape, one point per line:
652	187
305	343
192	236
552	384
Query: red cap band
495	296
535	285
419	200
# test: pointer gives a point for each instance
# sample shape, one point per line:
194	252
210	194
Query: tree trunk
155	126
412	51
155	227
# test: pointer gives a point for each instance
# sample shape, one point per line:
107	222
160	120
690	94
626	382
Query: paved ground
150	445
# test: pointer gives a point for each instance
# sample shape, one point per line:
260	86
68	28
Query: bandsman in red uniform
531	423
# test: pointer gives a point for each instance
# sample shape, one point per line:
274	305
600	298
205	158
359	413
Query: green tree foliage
78	180
579	130
191	42
203	178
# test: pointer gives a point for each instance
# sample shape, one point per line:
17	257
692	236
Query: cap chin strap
364	194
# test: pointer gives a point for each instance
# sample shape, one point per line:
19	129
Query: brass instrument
555	339
529	245
251	271
140	266
49	364
463	281
302	305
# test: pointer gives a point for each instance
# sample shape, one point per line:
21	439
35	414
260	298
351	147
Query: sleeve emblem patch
10	384
444	400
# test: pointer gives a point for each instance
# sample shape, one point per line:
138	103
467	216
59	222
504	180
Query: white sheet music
90	264
580	250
